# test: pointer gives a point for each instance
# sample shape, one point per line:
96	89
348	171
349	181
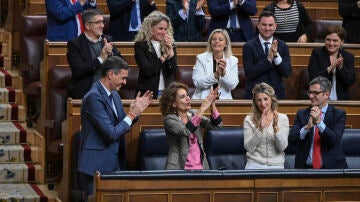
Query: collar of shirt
263	40
323	110
106	90
92	40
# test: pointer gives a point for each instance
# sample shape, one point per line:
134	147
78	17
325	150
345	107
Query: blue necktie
134	18
266	48
233	19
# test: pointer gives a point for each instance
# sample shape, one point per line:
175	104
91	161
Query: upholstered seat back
153	149
238	92
351	147
33	34
225	148
56	103
128	91
184	75
321	26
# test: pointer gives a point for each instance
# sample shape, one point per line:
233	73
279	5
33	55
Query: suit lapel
106	97
259	47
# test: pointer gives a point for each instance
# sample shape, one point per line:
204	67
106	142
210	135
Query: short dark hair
266	14
325	84
114	63
334	29
88	14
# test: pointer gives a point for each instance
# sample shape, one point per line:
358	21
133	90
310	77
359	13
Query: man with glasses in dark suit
318	130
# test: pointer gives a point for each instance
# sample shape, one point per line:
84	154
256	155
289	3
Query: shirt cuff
196	120
215	114
182	14
92	4
200	12
241	2
232	5
303	132
321	126
128	120
278	59
100	60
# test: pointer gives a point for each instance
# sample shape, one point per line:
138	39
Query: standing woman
155	54
334	63
216	67
293	21
265	131
183	127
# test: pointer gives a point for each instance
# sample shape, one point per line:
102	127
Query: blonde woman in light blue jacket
216	67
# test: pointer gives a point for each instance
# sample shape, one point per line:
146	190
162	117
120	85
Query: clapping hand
106	50
140	103
273	50
199	5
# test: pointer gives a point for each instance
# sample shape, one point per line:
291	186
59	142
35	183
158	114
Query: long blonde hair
151	20
256	113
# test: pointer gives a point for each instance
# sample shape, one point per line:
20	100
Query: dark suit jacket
350	13
220	11
331	149
150	66
102	145
82	65
320	61
120	13
61	19
185	30
258	68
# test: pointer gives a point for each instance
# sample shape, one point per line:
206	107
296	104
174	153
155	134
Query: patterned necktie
316	158
134	18
266	48
78	20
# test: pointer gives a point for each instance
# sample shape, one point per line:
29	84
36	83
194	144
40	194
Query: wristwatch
277	55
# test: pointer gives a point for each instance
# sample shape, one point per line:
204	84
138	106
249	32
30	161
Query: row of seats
225	149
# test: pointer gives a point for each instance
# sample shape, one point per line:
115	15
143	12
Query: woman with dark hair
334	63
265	131
293	21
183	127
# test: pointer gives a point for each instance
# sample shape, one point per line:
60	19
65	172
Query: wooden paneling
233	113
313	187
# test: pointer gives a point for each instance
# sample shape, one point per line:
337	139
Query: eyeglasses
97	22
315	93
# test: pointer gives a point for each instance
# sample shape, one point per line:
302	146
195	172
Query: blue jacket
331	150
220	12
258	68
102	145
61	19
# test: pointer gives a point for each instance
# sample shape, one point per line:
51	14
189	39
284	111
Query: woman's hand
302	39
208	101
221	67
275	122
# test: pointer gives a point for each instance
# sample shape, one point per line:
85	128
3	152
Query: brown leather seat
238	92
184	75
321	26
55	115
33	34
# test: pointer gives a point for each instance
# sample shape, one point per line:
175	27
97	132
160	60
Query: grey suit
178	133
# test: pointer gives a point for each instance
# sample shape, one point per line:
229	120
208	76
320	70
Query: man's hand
106	50
273	50
139	104
185	4
199	5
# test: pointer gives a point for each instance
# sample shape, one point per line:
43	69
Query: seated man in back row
318	130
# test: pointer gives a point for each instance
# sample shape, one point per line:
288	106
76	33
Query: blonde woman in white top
216	67
265	131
